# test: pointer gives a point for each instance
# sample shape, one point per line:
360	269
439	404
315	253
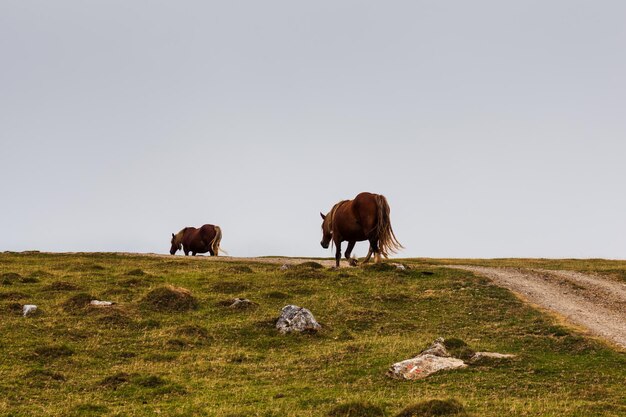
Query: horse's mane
179	236
331	214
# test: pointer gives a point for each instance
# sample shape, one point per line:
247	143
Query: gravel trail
593	302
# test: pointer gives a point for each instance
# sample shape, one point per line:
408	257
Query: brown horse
364	218
202	240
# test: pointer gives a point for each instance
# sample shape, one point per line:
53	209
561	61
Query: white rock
296	319
284	267
241	303
479	356
422	366
399	266
29	309
437	349
99	303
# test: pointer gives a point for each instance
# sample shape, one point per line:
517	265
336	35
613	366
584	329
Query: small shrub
356	409
434	408
170	298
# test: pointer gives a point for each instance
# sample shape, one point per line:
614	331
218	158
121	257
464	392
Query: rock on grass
296	319
170	298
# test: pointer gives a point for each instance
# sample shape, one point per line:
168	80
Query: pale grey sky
494	128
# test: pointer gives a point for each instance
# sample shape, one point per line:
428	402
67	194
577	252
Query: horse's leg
349	249
193	254
369	255
375	250
338	253
211	252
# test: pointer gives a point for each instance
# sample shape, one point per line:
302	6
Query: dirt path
595	303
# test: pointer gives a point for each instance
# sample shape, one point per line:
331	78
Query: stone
284	267
479	357
422	366
437	349
399	267
296	319
28	309
98	303
242	303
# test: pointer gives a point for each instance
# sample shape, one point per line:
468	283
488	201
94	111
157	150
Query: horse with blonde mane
205	239
364	218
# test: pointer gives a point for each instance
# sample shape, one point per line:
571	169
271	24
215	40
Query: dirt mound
170	298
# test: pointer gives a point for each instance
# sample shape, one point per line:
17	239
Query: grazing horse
202	240
364	218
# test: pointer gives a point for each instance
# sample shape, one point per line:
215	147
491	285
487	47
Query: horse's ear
323	217
172	234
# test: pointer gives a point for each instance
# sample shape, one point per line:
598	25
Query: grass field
138	360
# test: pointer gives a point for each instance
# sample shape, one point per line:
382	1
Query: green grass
206	359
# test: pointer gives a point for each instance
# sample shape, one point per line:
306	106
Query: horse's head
327	232
176	245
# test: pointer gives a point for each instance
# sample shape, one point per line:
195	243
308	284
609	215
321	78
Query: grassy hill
145	358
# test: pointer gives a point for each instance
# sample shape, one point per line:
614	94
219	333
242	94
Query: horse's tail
215	243
387	241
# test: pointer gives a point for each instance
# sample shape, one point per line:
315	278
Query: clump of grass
277	295
136	272
229	287
430	408
61	286
193	331
382	267
148	381
238	269
42	377
115	380
458	348
78	302
13	308
9	278
13	295
89	410
170	298
41	274
133	282
29	280
356	409
114	318
309	265
53	351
